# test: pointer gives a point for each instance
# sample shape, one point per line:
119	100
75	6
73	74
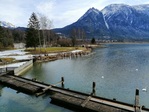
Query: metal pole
62	79
93	88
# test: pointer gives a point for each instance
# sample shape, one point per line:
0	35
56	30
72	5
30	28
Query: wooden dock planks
81	101
85	104
19	85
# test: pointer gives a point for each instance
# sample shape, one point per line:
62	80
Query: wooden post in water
93	89
62	79
137	101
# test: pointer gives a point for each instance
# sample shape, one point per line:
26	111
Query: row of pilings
53	57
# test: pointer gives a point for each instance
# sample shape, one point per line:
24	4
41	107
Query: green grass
6	48
8	60
53	49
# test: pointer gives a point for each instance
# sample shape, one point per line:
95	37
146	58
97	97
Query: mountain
127	22
116	21
21	28
92	22
6	24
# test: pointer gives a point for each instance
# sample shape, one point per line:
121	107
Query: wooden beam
86	101
47	88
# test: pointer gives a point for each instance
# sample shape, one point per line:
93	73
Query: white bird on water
102	77
136	69
144	89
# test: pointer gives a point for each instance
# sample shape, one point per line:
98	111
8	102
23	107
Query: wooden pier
68	98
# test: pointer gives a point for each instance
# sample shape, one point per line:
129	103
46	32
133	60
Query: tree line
10	36
39	34
30	35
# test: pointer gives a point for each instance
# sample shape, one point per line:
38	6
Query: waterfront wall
2	70
23	68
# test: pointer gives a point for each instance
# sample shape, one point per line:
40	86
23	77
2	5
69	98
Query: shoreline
61	55
125	43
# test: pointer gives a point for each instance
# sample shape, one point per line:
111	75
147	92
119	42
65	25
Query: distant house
19	45
61	35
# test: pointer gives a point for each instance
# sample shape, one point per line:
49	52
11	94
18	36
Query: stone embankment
56	56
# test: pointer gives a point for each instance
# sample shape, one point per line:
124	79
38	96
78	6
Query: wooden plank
86	105
47	88
13	82
86	101
68	99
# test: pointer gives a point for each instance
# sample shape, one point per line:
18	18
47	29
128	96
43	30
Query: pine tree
32	33
1	37
34	22
93	41
6	38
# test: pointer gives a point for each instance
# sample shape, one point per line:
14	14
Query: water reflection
12	102
1	89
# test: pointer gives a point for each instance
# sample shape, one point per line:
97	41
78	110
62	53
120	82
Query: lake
117	69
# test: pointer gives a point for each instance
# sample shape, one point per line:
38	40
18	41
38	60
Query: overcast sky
61	12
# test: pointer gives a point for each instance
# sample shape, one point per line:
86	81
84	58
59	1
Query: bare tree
73	36
45	25
79	33
83	34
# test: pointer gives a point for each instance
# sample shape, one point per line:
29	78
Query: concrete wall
23	68
2	70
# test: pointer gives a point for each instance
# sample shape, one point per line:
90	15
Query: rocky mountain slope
117	21
6	24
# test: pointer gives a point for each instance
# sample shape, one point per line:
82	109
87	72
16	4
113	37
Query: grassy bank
4	61
6	48
53	49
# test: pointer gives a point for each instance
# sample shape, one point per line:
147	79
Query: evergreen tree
6	38
34	22
93	41
32	33
32	38
18	35
1	37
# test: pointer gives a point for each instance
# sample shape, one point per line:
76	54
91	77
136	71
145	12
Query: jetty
71	99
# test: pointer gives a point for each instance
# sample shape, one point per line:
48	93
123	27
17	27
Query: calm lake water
117	69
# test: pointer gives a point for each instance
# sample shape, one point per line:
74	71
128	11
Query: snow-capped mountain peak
91	11
116	8
7	24
142	8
